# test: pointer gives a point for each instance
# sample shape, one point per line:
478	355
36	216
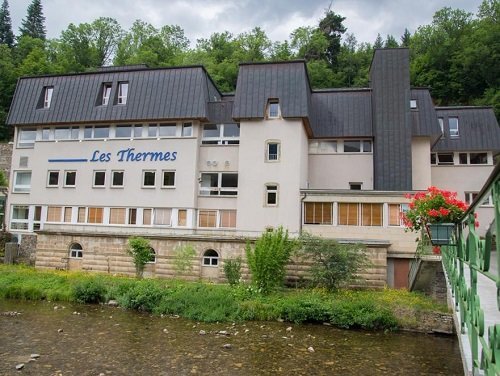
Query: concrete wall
335	171
421	171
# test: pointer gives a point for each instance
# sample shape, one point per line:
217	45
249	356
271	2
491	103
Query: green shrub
268	259
334	264
232	270
144	295
89	291
362	314
140	249
308	309
183	260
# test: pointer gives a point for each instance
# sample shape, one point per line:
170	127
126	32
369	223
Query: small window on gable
122	92
413	104
106	91
47	96
453	126
273	151
441	125
273	109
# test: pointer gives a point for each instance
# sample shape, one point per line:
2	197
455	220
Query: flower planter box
441	233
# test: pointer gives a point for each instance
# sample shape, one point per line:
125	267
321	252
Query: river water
100	340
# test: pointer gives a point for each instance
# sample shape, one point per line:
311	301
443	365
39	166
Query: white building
161	153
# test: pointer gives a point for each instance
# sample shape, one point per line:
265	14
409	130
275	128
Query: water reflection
99	340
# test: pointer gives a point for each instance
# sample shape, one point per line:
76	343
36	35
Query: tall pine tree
6	34
34	23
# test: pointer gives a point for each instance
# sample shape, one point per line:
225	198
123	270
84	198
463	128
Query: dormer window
122	92
47	96
453	126
413	104
441	126
106	91
273	109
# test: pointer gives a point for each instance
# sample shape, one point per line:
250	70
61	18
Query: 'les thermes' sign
130	155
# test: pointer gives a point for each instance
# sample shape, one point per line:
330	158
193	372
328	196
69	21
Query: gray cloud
200	18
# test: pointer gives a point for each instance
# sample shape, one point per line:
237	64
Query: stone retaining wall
6	158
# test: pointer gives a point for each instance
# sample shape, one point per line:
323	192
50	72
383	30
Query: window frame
440	163
314	220
185	126
75	253
65	181
48	92
94	177
453	132
121	96
213	261
269	191
165	186
273	109
28	143
220	139
144	179
219	190
268	152
49	172
106	93
23	222
112	180
21	188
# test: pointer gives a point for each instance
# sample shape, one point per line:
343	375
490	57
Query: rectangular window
273	109
221	134
81	215
441	126
101	132
352	147
22	181
47	99
445	158
146	216
478	158
95	215
273	151
207	218
323	147
163	217
122	92
182	217
69	178
20	217
46	134
214	184
168	179
117	179
371	214
453	126
396	214
99	179
37	218
355	186
463	158
167	130
227	218
187	129
413	104
148	179
106	92
67	214
137	130
152	130
132	216
123	131
117	216
348	214
318	213
62	133
87	132
26	138
75	133
54	213
271	195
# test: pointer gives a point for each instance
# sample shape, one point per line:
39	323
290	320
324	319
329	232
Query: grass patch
209	303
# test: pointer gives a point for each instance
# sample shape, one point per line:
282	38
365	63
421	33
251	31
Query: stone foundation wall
108	255
6	158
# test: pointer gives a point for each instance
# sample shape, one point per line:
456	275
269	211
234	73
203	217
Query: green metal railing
472	255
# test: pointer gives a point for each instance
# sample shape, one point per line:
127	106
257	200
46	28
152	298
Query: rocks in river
310	349
227	346
223	333
35	356
113	303
10	313
165	331
20	366
202	332
60	330
289	329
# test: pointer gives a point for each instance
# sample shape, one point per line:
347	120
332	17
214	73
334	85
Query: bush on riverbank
208	302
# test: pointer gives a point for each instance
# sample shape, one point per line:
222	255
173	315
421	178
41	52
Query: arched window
152	256
210	258
75	250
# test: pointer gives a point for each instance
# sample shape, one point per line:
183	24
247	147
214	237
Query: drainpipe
302	211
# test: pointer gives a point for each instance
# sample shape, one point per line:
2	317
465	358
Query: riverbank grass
209	302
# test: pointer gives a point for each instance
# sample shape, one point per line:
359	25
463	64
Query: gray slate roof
342	113
424	118
220	112
477	126
168	93
286	81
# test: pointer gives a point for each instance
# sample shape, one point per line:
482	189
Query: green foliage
6	34
34	23
334	264
140	249
183	259
268	258
3	180
144	296
89	291
232	270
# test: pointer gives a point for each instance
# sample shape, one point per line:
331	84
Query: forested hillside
457	54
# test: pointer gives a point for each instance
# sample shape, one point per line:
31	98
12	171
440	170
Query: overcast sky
278	18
